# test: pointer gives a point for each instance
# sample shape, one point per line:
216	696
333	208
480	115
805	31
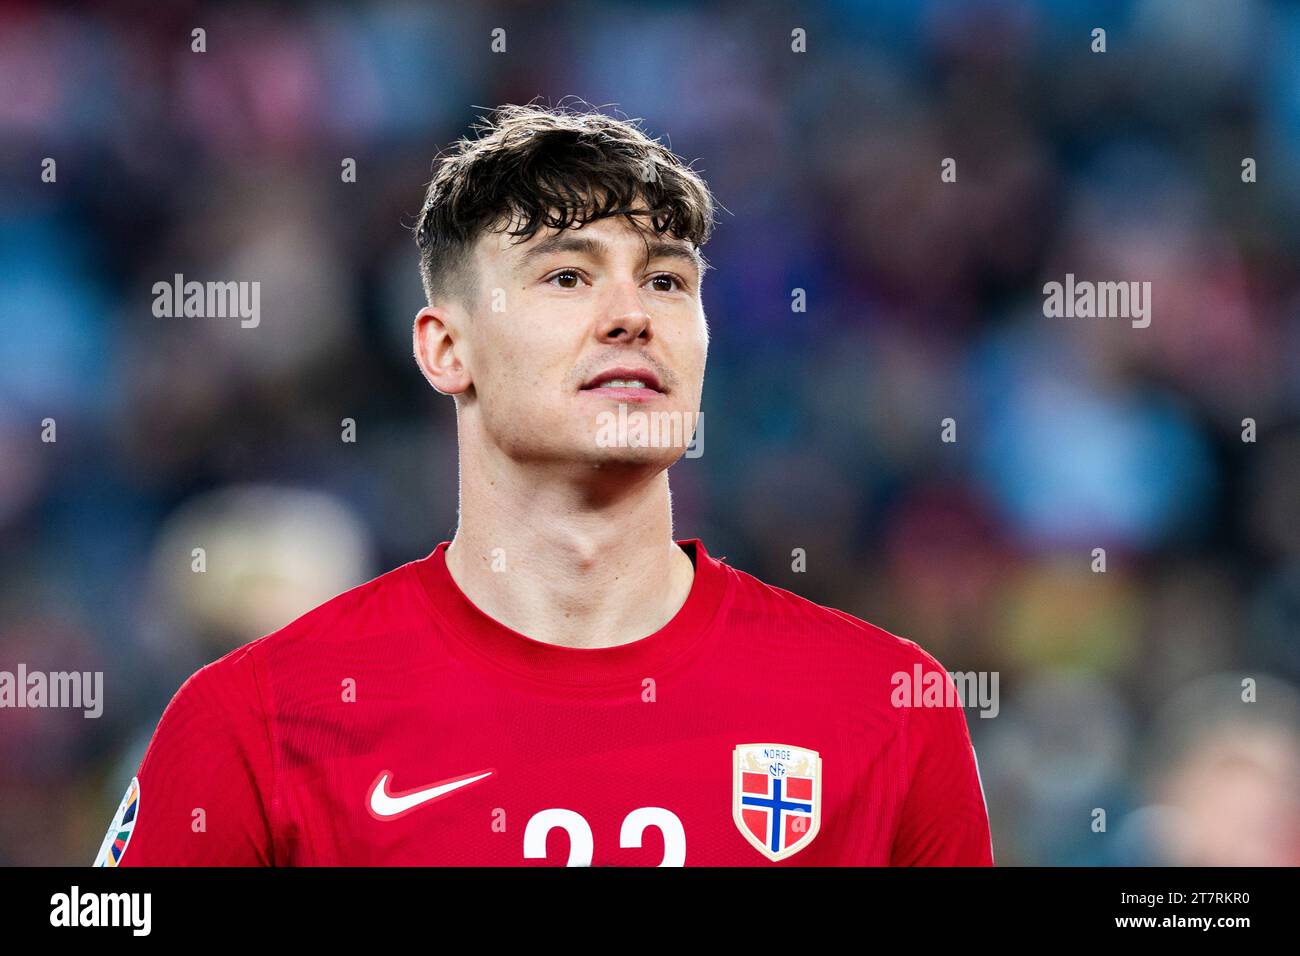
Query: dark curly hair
533	166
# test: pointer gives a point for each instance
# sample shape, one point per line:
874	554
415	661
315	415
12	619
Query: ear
434	339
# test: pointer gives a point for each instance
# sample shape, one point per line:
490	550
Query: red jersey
398	724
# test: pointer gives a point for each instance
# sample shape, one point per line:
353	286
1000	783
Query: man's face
571	324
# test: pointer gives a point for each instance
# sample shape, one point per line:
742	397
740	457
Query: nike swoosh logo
389	806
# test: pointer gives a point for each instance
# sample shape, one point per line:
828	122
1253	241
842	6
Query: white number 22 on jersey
581	844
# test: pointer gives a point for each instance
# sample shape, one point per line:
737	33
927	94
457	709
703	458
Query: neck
580	557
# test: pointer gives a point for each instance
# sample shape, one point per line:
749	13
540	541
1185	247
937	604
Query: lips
622	378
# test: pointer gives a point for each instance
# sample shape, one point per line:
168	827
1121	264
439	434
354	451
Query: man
561	682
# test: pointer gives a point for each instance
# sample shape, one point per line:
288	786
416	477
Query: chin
638	458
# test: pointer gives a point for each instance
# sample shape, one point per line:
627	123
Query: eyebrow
596	249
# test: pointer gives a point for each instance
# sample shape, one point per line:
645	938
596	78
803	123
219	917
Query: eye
673	283
566	279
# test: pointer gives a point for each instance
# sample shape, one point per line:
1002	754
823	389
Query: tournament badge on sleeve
777	797
119	831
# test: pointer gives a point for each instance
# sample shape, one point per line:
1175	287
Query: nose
624	318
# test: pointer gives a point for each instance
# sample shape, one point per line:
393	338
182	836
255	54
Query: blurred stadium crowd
1119	690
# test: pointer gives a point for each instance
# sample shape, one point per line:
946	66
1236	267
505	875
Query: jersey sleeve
945	819
202	793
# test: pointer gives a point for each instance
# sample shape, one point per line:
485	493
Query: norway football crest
777	797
